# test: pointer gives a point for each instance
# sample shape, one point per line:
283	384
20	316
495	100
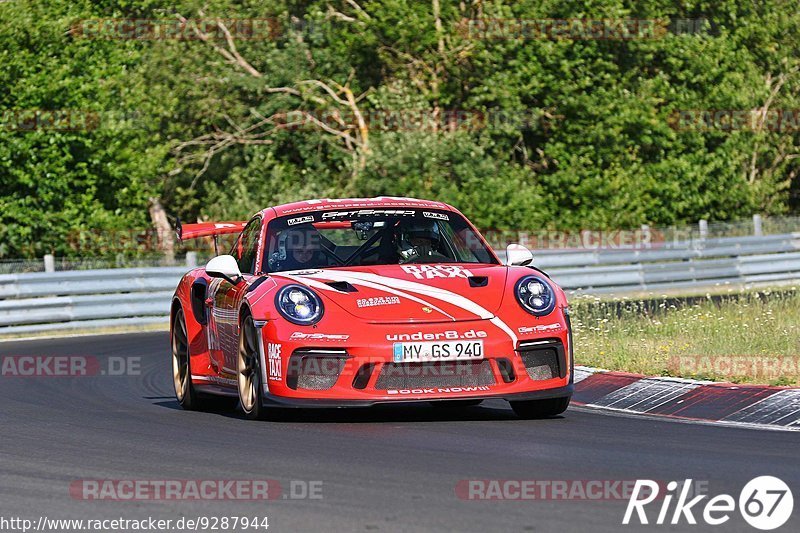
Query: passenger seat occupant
298	249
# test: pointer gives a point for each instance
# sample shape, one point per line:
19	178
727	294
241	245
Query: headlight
299	305
535	295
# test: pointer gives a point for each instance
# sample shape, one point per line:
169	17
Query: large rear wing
207	229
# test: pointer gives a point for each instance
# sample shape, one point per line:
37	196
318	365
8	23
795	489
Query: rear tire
249	372
187	396
181	365
534	409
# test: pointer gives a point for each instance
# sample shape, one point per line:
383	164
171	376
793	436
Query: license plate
423	352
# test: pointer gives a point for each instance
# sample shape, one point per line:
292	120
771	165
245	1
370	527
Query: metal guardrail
44	301
683	265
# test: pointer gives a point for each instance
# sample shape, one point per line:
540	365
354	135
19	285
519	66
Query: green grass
743	337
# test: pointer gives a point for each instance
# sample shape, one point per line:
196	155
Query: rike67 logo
765	503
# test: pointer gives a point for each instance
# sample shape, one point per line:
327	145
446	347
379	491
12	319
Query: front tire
534	409
249	372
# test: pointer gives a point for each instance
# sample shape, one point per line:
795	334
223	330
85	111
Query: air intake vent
362	376
478	281
543	359
315	369
341	286
198	299
506	369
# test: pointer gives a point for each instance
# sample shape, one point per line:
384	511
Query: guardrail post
646	242
49	263
191	259
757	226
586	240
703	224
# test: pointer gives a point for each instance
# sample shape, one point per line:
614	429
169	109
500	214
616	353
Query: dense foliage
518	132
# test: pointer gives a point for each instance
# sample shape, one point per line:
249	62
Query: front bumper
303	370
304	403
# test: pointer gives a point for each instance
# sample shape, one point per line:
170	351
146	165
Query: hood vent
341	286
478	281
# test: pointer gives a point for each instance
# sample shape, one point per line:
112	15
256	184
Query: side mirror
518	255
225	267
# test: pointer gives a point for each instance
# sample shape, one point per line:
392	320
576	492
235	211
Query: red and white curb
753	406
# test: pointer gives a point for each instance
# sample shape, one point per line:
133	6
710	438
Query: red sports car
355	302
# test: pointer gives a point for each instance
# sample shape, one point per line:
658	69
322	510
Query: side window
246	246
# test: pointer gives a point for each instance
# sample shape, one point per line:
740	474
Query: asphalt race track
392	468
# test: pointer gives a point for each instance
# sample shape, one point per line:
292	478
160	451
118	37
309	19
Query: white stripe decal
317	284
305	280
419	288
502	325
272	286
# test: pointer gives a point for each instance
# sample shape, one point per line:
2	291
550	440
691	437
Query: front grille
543	359
315	369
447	374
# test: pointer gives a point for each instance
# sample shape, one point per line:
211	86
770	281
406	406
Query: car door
226	299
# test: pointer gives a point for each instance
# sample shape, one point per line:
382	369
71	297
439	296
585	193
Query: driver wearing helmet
419	241
298	249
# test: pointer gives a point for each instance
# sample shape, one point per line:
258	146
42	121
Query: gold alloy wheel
248	367
180	356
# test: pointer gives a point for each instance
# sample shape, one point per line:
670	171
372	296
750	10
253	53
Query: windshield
367	237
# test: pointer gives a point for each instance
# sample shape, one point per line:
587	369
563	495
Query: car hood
410	293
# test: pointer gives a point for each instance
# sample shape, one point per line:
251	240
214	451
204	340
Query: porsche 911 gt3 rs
356	302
